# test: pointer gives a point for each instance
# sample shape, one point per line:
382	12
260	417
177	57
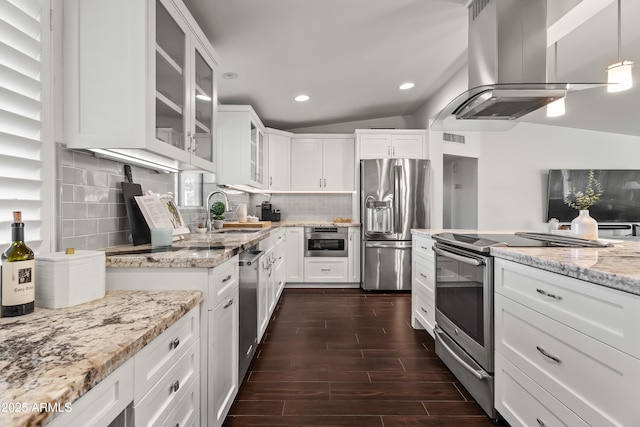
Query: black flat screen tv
619	202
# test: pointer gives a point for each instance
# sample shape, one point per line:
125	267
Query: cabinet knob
174	344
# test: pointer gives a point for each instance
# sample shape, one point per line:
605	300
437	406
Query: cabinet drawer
523	403
163	398
222	280
422	246
605	314
103	403
187	411
325	269
423	276
424	311
594	380
153	361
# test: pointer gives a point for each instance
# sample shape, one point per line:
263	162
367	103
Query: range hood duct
507	67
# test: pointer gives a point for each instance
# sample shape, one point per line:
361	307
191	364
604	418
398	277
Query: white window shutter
21	110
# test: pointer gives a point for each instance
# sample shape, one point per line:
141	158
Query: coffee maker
268	213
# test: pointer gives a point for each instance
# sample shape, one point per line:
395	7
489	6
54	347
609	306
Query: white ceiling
351	56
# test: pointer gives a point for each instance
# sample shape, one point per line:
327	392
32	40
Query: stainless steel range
464	303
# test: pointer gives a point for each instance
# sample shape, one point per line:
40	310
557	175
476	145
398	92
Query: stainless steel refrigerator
393	200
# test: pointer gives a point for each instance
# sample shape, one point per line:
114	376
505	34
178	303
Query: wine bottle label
18	282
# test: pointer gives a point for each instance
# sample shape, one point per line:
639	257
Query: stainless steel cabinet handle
174	387
174	344
547	294
320	182
388	150
423	275
540	422
226	279
422	308
227	305
422	247
325	183
547	355
394	150
325	269
270	180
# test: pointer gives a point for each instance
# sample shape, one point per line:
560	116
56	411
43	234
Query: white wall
513	167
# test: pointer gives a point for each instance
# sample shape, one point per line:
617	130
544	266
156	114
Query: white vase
584	226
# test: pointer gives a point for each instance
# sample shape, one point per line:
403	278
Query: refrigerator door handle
397	215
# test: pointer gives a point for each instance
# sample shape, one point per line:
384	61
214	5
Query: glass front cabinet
143	86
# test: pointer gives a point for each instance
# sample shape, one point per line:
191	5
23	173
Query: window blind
21	146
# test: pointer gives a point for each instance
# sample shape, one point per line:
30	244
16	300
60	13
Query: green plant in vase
584	225
217	213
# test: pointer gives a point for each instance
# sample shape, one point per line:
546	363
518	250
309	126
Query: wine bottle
17	295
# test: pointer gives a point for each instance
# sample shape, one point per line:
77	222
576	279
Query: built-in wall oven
326	242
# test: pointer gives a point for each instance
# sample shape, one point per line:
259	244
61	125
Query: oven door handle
479	374
464	259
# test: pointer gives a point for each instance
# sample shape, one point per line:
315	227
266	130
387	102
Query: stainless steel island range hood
507	67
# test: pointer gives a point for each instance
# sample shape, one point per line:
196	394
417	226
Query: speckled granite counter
201	250
55	356
616	267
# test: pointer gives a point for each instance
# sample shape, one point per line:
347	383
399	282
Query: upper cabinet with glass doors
241	147
143	86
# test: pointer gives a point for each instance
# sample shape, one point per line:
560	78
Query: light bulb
620	76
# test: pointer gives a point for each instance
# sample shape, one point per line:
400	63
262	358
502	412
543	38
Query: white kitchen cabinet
423	284
294	254
241	147
142	86
218	285
279	149
326	270
354	255
103	404
551	330
391	144
223	357
322	163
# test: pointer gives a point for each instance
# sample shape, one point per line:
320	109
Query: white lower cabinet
326	269
104	403
569	352
423	312
223	356
163	398
294	253
218	338
353	275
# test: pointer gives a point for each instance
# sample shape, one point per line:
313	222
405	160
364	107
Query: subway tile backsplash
92	213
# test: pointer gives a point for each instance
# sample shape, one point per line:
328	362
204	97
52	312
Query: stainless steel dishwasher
248	308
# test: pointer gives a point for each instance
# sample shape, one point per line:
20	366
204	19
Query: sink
235	231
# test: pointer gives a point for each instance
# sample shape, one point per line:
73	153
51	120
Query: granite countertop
616	267
55	356
201	250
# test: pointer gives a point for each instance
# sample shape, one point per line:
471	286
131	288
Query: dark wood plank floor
343	357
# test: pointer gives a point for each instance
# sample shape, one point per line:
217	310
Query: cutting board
259	224
140	233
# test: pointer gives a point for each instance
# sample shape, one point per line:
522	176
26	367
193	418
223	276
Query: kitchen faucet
227	205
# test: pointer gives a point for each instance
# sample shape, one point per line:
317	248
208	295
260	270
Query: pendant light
556	108
619	74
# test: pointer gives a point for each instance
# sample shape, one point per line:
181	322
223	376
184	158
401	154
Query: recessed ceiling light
302	98
407	85
230	76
